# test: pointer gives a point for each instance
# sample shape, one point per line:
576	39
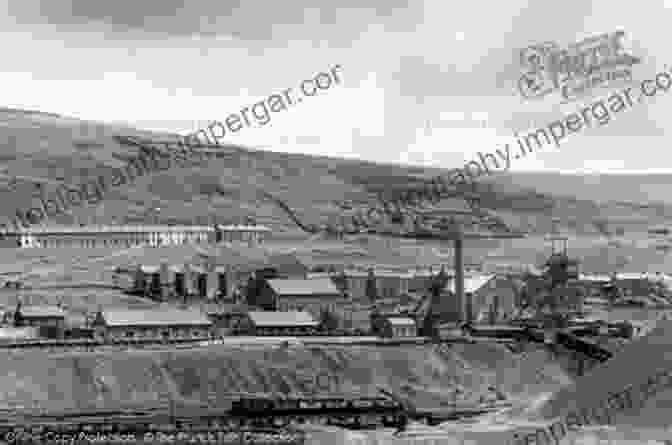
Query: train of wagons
248	412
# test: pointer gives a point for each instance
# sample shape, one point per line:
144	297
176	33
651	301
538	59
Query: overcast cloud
173	65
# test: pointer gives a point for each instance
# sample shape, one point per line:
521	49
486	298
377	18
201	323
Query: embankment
145	379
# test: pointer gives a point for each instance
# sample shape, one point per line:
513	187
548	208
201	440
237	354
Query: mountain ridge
70	150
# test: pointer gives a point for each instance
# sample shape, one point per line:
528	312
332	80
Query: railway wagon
353	412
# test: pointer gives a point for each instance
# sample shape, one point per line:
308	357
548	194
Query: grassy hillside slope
53	149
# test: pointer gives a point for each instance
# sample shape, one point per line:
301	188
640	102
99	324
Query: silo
189	280
212	281
167	280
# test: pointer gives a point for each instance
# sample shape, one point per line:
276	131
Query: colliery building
310	295
128	236
192	274
154	323
487	298
278	323
185	282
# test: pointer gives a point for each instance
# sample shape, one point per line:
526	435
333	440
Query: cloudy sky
424	82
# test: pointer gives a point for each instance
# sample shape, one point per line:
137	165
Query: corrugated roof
154	317
290	318
471	283
304	287
42	311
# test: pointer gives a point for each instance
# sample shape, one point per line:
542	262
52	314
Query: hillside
645	188
147	380
53	149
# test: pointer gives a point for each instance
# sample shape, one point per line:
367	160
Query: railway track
254	413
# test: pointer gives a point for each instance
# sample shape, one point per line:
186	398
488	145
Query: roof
595	277
154	317
316	275
291	318
244	228
471	283
631	276
17	333
303	287
496	328
114	229
400	321
42	311
136	229
287	263
149	269
382	274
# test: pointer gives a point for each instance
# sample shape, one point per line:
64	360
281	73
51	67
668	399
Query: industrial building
488	297
278	323
388	283
48	320
128	235
192	274
394	326
154	323
186	282
311	295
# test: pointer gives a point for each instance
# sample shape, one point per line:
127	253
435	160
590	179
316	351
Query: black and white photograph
335	222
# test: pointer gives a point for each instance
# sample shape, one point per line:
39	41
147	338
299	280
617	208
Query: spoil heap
145	379
634	364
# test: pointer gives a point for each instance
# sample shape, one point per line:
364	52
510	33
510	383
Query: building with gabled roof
48	319
312	295
159	322
490	298
396	326
279	323
39	315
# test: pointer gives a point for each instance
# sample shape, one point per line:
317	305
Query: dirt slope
632	365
